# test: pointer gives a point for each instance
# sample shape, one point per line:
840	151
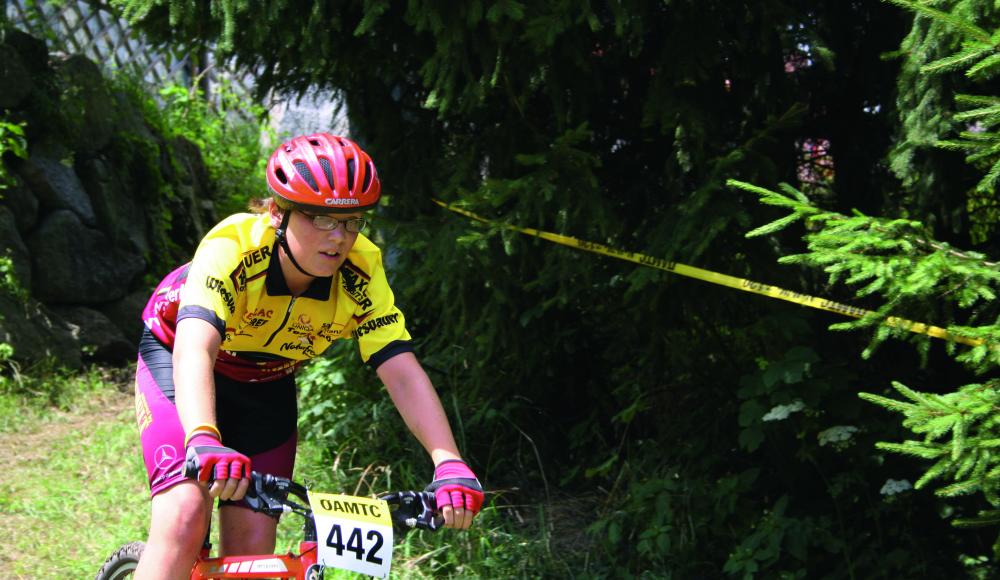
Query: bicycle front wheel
122	564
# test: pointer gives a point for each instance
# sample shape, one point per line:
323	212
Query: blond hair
260	205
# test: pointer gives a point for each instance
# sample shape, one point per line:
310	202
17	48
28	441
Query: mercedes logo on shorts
164	455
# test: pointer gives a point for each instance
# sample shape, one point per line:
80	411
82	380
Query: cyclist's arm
414	396
195	347
417	401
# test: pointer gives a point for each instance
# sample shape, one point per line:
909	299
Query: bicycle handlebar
268	494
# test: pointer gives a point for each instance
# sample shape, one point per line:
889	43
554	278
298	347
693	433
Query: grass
73	478
74	490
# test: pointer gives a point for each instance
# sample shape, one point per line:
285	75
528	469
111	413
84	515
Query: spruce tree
915	275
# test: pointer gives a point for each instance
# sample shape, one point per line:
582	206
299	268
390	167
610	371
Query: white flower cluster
835	435
894	486
781	412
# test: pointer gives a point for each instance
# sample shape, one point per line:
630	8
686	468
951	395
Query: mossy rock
15	80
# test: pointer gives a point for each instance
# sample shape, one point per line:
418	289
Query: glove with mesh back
213	461
455	485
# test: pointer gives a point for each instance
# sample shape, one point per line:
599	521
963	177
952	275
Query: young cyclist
225	333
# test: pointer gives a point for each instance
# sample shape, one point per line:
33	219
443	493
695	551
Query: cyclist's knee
242	531
181	515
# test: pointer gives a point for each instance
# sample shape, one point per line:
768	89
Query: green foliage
228	128
766	396
617	122
939	115
899	261
960	435
350	424
349	413
917	276
12	142
10	286
9	283
774	533
782	504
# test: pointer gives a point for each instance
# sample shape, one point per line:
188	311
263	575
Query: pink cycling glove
215	461
455	485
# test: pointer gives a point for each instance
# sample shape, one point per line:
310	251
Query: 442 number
355	544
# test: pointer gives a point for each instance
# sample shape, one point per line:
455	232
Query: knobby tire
122	563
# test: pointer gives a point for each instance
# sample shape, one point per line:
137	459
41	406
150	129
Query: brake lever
260	496
414	509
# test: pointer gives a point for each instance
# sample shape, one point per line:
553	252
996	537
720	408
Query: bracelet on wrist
206	428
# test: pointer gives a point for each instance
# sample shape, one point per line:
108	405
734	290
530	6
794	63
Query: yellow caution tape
723	279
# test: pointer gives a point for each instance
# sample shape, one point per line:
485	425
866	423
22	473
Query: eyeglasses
328	223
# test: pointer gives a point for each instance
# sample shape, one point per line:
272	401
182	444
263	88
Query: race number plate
354	533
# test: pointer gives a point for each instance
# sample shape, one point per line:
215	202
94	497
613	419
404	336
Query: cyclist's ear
276	213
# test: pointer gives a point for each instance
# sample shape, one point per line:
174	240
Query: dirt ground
21	449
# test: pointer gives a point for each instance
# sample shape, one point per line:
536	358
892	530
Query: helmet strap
283	242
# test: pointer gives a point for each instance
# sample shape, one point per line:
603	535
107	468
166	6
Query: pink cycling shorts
256	419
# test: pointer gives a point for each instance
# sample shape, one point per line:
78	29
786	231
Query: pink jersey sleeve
160	314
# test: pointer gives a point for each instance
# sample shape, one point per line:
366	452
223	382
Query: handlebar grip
192	466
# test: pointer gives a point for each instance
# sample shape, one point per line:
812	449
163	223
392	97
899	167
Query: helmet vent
325	164
350	173
314	142
303	170
281	175
368	176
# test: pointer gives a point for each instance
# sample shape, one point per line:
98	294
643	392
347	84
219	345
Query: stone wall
102	207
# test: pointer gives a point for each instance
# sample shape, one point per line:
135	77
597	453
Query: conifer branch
774	226
966	465
935	472
913	448
976	100
956	61
985	518
958	446
955	22
891	404
966	487
984	68
992	110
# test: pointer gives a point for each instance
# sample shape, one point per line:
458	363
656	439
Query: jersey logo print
219	286
376	323
249	259
143	416
239	278
355	283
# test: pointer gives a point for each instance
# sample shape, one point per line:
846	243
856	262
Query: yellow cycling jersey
235	283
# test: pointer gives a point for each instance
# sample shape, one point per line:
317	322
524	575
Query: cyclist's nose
338	233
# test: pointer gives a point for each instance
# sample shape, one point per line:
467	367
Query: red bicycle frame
263	566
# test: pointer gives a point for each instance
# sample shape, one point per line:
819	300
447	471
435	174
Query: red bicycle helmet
322	173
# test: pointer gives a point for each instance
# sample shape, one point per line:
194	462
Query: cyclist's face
320	252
